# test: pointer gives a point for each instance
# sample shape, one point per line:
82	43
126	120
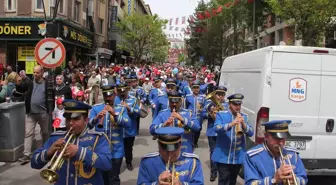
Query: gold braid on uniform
80	166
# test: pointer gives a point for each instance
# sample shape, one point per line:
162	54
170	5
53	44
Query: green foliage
311	17
142	35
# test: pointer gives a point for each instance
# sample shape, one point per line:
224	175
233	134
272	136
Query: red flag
250	1
57	122
170	21
219	9
183	20
177	20
200	16
227	5
191	18
207	14
236	2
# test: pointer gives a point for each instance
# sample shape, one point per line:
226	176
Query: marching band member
186	89
209	112
195	102
153	96
133	110
232	128
176	116
163	101
137	92
203	85
170	165
263	163
87	154
112	119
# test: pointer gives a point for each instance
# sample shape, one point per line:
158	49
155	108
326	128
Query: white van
295	83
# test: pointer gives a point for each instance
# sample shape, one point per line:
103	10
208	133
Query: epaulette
203	95
188	95
152	154
95	132
57	133
185	154
255	151
223	111
163	110
290	149
98	104
160	95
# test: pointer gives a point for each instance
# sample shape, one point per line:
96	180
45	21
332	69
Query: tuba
218	105
283	161
57	161
144	110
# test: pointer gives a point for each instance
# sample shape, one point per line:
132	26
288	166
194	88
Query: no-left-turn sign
49	53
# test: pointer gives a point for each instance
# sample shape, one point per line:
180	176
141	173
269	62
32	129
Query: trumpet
239	129
170	180
283	161
56	161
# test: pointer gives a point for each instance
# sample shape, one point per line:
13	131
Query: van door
326	132
295	95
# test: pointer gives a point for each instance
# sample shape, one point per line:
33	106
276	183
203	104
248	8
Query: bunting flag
183	20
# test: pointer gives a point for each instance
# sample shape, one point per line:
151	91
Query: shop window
11	5
100	25
77	11
38	5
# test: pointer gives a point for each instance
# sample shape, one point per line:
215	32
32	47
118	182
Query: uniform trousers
197	135
138	124
112	177
228	173
212	144
128	146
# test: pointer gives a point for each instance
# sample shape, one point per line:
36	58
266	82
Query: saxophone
218	105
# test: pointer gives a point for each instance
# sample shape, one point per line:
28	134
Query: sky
172	9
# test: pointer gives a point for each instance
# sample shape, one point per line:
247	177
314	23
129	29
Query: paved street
14	174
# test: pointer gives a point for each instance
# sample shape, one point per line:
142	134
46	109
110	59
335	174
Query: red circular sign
50	52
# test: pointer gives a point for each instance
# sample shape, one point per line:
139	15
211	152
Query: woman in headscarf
61	89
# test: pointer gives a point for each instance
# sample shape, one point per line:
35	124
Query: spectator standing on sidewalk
36	112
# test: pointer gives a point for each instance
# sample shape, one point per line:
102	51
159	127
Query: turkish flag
219	9
57	122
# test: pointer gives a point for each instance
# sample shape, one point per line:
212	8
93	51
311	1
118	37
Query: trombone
283	161
56	161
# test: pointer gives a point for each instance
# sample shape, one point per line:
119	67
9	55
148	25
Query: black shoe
213	177
154	137
130	167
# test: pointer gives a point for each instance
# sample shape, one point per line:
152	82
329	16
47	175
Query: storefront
18	37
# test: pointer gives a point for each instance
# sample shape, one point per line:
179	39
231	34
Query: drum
144	110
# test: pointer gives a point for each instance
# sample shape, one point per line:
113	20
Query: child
59	120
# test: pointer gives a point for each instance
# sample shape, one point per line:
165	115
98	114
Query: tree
310	18
142	34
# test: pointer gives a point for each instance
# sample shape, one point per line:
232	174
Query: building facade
80	25
118	10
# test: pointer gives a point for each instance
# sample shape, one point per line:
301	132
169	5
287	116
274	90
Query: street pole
254	22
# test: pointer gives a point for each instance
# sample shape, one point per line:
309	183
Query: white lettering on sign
297	89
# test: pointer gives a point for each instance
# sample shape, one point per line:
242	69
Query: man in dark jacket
37	112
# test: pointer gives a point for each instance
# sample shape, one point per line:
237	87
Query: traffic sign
49	53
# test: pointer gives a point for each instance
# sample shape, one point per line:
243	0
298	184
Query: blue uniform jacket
163	102
133	114
191	102
260	165
203	88
190	124
139	93
188	168
205	115
153	99
186	91
93	150
114	131
230	148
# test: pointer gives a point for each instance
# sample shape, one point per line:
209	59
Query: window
11	5
100	25
77	11
60	5
38	5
